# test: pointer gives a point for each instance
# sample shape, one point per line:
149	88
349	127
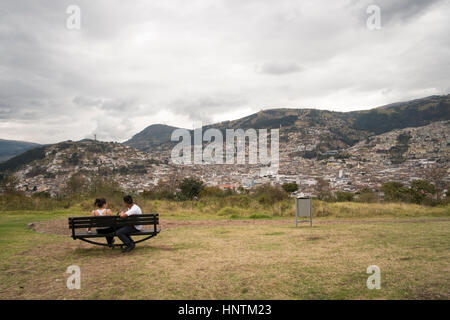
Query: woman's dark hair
100	202
128	199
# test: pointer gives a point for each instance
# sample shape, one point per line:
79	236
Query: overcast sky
136	63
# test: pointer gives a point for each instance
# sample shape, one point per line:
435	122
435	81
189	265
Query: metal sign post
303	208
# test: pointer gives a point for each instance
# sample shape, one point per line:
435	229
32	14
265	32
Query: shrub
162	191
367	195
8	184
22	202
342	196
211	192
228	211
104	187
242	201
190	188
290	187
259	216
268	194
42	195
325	195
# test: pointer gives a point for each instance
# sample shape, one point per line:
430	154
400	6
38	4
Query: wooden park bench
115	222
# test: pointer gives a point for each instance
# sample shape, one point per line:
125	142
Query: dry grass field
218	257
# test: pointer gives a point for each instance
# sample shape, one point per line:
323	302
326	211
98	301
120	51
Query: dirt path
60	226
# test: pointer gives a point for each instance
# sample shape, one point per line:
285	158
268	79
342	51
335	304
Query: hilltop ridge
343	129
11	148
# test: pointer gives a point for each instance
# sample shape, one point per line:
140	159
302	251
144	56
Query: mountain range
11	148
328	129
341	129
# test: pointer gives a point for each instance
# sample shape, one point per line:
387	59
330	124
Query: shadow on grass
104	252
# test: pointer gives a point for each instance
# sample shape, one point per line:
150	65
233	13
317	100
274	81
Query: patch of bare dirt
60	226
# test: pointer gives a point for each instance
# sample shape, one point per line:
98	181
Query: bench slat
111	217
121	224
73	220
112	221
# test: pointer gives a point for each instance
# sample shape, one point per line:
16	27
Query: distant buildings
366	164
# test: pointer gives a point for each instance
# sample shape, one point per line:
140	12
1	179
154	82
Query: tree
390	190
420	189
103	186
323	190
396	191
423	186
436	175
290	187
74	159
190	188
76	185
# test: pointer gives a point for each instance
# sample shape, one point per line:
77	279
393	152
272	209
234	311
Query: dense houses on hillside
400	155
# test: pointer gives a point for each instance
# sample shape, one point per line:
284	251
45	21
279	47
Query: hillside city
402	155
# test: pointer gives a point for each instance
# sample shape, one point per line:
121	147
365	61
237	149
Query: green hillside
11	148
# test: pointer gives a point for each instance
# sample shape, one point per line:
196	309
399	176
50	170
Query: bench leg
93	242
115	245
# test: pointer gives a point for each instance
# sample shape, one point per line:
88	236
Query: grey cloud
174	61
109	105
399	11
25	108
86	101
119	105
204	108
280	68
405	9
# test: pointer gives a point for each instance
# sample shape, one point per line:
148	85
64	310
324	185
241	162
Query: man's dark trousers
124	234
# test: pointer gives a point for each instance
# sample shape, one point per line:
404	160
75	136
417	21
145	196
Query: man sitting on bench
124	232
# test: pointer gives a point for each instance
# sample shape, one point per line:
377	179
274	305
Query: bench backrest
113	221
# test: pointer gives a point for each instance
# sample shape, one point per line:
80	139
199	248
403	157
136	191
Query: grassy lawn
252	261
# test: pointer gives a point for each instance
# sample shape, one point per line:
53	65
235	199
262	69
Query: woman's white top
101	211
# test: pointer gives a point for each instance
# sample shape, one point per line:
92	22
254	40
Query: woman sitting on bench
102	210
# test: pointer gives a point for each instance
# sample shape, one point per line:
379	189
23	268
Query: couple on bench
123	232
